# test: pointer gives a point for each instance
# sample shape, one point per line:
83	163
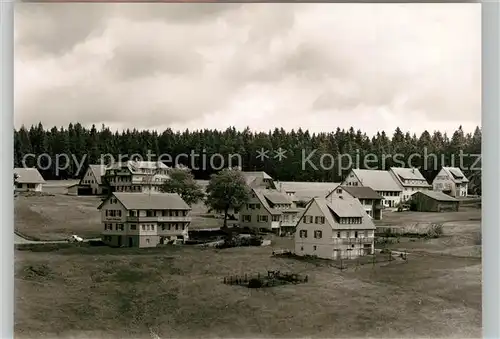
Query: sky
316	66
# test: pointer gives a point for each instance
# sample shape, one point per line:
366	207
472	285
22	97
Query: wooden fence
271	279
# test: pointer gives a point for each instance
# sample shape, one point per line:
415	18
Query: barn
433	201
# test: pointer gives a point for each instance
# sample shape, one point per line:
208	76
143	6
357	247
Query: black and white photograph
248	170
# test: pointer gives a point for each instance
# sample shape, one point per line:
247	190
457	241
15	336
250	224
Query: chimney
413	170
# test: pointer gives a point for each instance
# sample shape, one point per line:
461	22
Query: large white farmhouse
452	181
380	181
334	229
410	180
144	220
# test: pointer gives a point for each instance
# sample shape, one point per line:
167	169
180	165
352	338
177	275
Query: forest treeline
307	156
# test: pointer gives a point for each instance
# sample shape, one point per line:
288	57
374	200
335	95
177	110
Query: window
149	213
276	218
301	248
143	227
119	227
314	247
257	206
108	227
247	218
152	227
355	234
339	191
319	220
318	234
133	227
147	241
262	218
176	227
338	234
303	233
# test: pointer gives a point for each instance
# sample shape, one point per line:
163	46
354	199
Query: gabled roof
378	180
256	179
307	190
405	173
98	171
344	209
274	196
456	174
28	176
361	192
437	195
149	201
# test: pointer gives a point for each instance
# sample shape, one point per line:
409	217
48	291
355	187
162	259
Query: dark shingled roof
153	201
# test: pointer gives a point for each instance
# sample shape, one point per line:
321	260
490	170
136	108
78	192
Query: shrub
254	283
435	230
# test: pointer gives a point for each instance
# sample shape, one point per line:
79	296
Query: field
177	291
57	216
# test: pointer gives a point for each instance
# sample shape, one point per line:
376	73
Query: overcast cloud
315	66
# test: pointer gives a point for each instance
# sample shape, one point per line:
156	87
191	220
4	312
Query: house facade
369	199
28	180
452	181
410	180
144	220
381	182
91	183
334	229
136	176
269	210
433	201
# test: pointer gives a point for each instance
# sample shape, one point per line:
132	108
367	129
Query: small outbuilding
28	179
433	201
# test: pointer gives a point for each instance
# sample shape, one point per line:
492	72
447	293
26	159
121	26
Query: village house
381	182
144	220
91	183
301	191
334	229
259	180
452	181
28	179
369	199
136	176
433	201
410	180
269	210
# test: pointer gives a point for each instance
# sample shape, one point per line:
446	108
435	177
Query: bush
254	283
435	230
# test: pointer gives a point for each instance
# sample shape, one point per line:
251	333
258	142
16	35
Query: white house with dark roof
259	180
334	229
136	176
380	181
369	199
410	180
144	220
28	179
452	181
269	210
